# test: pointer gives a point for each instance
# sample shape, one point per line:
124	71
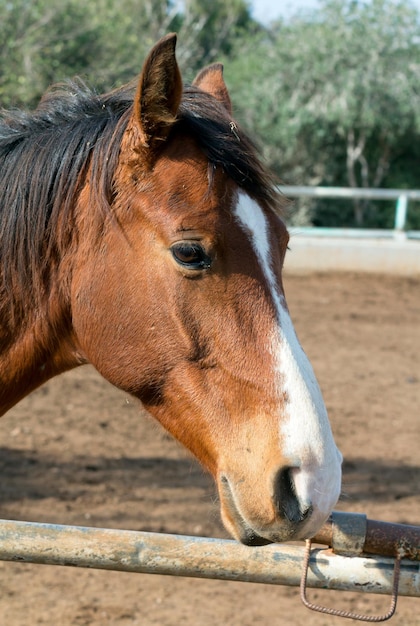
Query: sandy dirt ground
79	452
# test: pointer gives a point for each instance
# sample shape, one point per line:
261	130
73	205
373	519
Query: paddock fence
392	251
350	553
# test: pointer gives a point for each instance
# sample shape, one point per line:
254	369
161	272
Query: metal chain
349	614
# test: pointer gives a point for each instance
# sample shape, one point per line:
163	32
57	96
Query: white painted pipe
402	196
158	553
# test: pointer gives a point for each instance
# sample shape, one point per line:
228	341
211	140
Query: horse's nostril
287	503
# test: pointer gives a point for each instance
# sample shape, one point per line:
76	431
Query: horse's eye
191	255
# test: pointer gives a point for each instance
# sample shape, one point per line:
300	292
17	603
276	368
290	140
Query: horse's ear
158	95
210	79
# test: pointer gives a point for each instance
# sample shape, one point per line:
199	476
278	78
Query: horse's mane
45	155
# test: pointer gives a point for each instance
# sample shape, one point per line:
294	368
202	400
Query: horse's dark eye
191	255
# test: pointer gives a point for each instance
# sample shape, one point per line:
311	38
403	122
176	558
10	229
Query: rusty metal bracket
348	533
352	533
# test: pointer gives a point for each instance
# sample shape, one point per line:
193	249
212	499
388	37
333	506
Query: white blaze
305	431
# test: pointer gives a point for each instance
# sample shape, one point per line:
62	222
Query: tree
210	29
337	91
40	42
106	41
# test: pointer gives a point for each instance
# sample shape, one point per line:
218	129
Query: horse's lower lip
251	538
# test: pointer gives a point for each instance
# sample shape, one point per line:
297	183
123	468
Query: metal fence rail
156	553
401	196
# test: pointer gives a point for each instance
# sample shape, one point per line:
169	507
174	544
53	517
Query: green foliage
41	42
218	25
338	94
106	41
333	96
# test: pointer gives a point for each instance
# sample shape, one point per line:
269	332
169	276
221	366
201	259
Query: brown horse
140	232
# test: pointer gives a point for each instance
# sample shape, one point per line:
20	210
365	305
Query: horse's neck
27	363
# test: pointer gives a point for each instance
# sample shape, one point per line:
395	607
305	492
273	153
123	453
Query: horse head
148	241
190	313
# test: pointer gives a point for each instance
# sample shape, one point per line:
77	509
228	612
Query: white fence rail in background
386	251
401	196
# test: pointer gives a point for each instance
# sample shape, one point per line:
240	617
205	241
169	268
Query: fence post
400	215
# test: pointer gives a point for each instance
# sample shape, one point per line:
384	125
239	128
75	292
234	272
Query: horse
141	232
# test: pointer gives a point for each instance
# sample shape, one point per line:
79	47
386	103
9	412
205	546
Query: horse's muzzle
284	518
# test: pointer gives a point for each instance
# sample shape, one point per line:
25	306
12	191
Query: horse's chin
247	535
250	538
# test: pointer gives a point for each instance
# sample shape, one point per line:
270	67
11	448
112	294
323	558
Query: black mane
44	157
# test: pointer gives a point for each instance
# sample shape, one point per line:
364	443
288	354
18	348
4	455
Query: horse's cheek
121	336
